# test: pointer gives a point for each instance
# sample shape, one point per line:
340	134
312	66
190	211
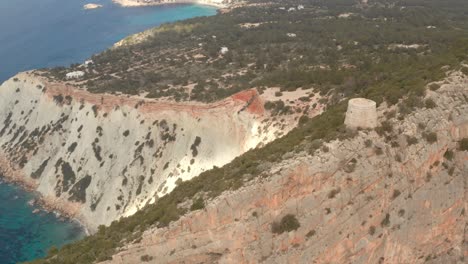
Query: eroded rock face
100	157
404	204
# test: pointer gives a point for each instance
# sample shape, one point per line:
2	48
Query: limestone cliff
99	156
360	200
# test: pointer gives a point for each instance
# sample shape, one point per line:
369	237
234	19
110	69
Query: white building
88	62
74	75
300	7
291	35
224	50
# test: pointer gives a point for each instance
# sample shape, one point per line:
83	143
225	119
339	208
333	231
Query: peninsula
134	3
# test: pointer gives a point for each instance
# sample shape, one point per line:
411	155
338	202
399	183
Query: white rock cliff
99	157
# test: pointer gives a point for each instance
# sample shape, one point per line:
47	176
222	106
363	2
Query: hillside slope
362	200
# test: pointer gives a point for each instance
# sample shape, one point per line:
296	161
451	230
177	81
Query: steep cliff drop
359	200
98	157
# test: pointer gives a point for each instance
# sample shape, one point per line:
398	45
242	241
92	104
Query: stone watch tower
361	113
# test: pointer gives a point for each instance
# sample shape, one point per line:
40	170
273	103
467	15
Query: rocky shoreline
68	210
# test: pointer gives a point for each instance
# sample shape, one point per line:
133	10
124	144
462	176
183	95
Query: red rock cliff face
355	203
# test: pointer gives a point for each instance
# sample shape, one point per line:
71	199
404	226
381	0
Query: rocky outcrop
99	157
362	200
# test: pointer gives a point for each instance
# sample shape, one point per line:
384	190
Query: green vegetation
429	103
430	137
268	58
287	224
198	204
386	221
146	258
311	233
333	55
464	144
411	140
277	107
449	154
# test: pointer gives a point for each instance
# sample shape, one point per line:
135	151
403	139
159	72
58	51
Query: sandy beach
136	3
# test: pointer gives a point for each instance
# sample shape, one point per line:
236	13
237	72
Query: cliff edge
361	200
98	157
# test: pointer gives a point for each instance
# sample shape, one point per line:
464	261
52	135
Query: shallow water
45	33
26	235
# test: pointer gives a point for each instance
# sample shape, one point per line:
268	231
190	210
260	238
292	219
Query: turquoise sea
45	33
25	235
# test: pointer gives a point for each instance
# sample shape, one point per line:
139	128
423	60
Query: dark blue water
46	33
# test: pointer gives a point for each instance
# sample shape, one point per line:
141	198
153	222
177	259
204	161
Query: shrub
396	193
448	155
411	140
386	127
398	158
451	171
333	193
303	120
378	151
311	233
430	137
325	148
287	224
429	103
463	144
198	204
434	86
464	70
146	258
421	126
401	212
385	221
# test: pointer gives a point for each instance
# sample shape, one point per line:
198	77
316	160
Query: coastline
12	174
65	209
130	3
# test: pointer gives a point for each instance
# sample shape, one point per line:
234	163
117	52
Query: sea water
26	231
46	33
